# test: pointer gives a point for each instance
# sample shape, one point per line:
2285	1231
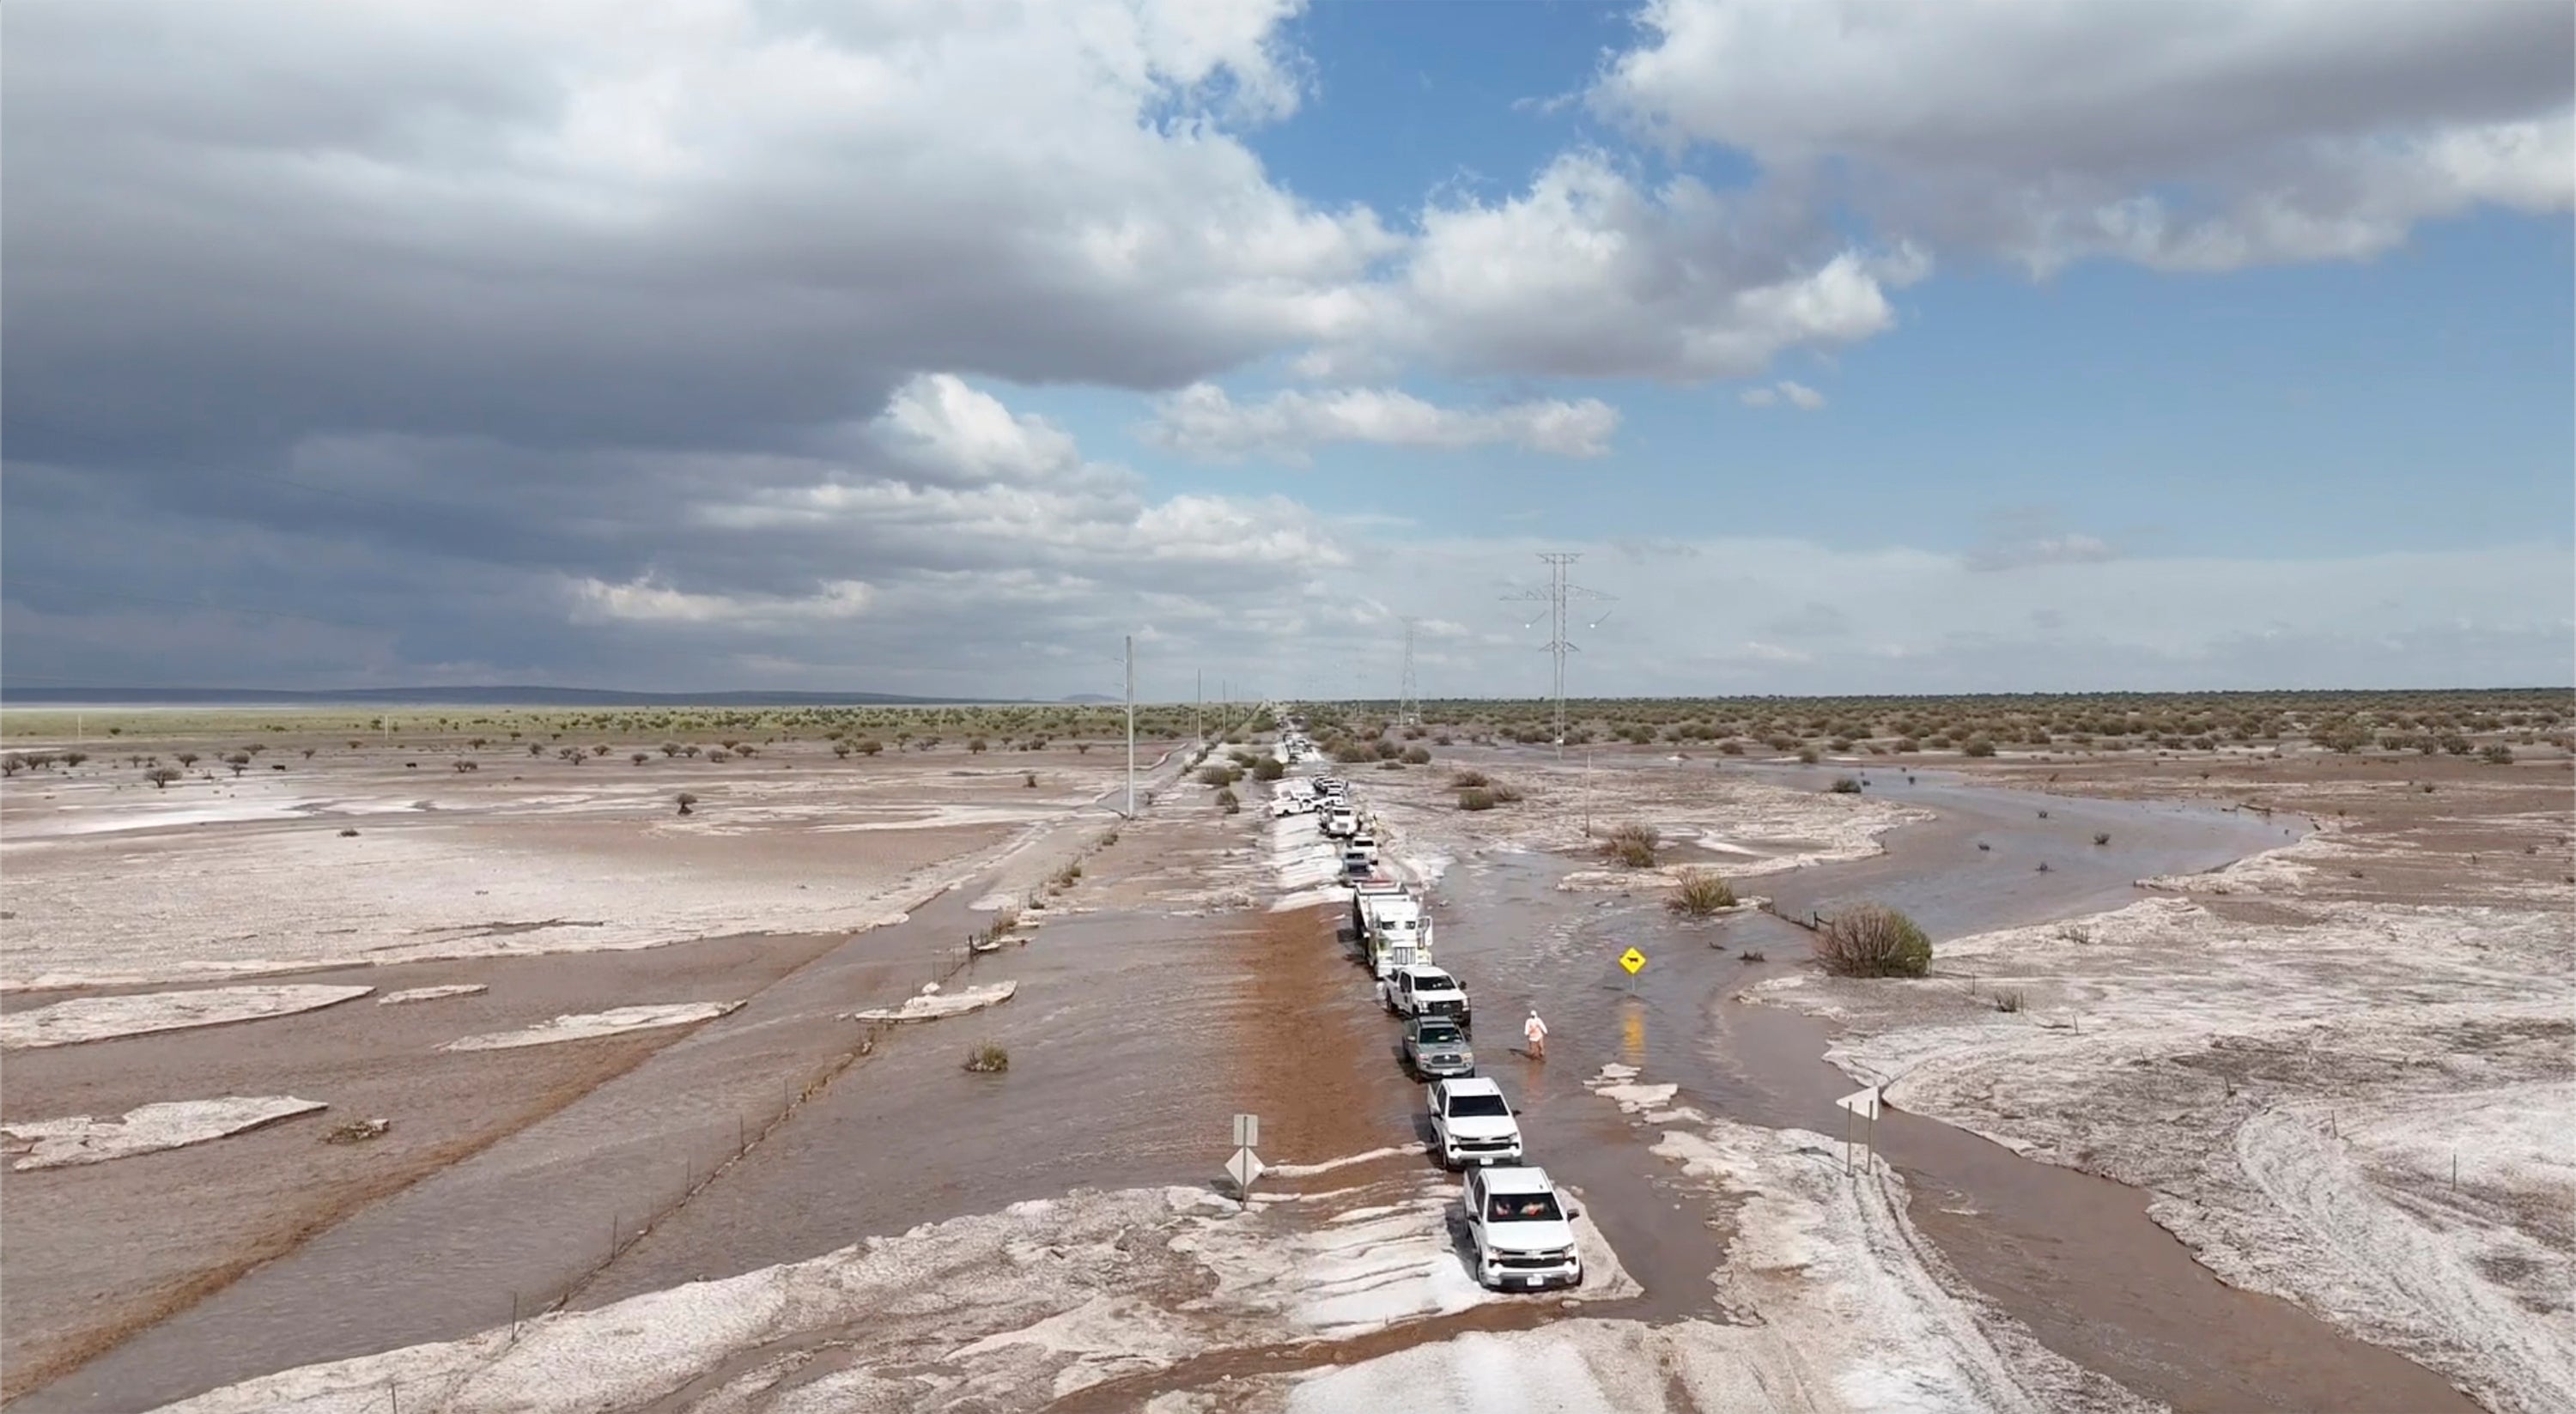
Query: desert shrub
1700	893
1218	776
2497	754
1476	798
1845	785
1268	769
2009	1001
1977	746
870	746
74	758
640	757
1463	779
685	801
1227	801
1506	794
2456	744
1029	779
1417	756
1907	746
348	834
1873	940
1753	955
1730	747
2101	837
161	777
1806	756
187	758
1633	844
978	745
988	1059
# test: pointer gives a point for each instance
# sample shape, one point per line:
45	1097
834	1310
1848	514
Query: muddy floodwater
2073	1257
1134	1036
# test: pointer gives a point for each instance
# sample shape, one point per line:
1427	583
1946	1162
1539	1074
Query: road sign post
1635	962
1865	1104
1246	1165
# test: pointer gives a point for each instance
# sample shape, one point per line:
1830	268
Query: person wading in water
1536	1031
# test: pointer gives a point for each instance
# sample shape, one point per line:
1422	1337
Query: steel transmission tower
1559	591
1408	706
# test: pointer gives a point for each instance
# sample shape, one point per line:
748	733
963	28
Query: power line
1408	705
1559	590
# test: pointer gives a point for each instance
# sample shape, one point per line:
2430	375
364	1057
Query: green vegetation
1700	894
1873	940
1633	844
988	1059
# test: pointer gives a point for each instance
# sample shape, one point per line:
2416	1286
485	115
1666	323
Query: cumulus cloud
1203	421
1589	273
648	601
2196	139
1796	395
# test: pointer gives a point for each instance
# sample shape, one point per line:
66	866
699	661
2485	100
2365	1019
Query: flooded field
774	1204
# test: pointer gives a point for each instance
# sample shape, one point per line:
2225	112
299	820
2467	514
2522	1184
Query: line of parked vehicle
1521	1229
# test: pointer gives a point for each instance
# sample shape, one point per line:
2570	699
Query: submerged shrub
1845	785
1633	845
1873	940
1700	893
988	1059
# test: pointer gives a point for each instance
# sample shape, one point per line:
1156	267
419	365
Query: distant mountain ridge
504	696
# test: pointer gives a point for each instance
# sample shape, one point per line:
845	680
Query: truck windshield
1433	982
1523	1208
1478	1107
1438	1036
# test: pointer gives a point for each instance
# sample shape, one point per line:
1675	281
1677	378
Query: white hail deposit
932	1004
432	994
1003	1311
102	1018
80	1139
582	1026
2293	1094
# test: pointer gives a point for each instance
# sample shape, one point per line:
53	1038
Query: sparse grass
1633	844
1005	918
1753	955
1700	894
988	1059
2009	1001
1873	940
1844	785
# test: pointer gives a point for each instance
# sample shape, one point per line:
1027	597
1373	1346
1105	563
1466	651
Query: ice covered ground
582	1026
1835	1305
2292	1093
931	1004
101	1018
81	1139
1708	820
431	994
115	884
1003	1311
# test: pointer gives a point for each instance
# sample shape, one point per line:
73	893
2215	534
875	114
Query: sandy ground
353	858
2291	1053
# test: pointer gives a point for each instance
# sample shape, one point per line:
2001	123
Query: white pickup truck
1471	1123
1522	1229
1424	990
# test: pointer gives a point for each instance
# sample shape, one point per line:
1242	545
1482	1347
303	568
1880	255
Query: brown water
1134	1038
2073	1257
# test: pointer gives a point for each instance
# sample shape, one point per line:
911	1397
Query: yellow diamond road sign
1632	960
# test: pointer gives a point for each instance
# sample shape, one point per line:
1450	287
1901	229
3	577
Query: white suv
1471	1123
1522	1230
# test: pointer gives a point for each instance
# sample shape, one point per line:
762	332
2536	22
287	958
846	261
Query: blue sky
821	346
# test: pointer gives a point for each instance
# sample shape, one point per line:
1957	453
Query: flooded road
2073	1257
